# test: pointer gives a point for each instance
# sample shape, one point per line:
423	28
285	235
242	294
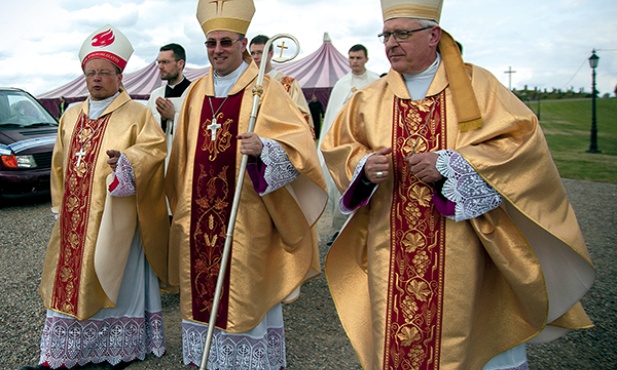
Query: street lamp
539	95
593	141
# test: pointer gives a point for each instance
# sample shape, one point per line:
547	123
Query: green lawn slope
567	125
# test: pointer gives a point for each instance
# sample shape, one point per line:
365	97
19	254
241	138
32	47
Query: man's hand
250	144
165	108
423	167
377	166
113	155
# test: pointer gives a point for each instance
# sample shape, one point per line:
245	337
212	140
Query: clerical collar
174	86
418	83
97	107
223	84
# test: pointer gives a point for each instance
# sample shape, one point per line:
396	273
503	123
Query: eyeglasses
225	43
102	74
400	35
166	61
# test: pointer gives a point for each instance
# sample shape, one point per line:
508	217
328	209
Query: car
27	136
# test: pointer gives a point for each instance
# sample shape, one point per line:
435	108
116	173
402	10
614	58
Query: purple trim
358	194
256	169
445	206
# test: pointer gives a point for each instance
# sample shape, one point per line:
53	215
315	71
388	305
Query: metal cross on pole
282	47
509	72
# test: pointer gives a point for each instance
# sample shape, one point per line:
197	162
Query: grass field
567	126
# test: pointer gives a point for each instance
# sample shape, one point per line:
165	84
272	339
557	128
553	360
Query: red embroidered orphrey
415	288
76	213
214	179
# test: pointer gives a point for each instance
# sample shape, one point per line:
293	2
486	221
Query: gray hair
427	23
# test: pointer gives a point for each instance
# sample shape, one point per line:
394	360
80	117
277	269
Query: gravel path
315	339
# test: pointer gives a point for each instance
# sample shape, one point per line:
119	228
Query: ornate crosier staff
257	92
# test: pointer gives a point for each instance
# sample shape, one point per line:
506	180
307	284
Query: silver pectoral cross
213	127
79	155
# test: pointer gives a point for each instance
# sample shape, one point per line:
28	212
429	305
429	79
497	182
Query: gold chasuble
294	90
415	290
70	284
273	250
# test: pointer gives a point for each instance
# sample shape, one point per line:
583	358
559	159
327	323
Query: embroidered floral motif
414	299
75	213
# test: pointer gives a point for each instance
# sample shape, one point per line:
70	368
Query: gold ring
379	174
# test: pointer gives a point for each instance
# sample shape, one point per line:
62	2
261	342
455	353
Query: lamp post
539	106
593	141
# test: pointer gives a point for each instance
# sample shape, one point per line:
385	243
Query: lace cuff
123	184
464	186
359	192
278	171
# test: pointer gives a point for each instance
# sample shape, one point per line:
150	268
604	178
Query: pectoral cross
79	155
213	127
282	47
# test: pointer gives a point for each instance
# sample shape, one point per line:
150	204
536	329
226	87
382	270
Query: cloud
547	43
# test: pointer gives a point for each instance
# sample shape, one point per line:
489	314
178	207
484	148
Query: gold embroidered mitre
421	9
225	15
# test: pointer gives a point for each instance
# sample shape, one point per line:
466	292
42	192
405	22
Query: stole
415	287
79	178
214	182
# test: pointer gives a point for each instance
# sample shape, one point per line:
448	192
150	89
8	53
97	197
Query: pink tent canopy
316	73
139	84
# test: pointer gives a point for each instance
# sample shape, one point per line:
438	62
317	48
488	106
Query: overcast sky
546	43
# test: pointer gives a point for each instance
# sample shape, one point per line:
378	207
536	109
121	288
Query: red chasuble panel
214	180
79	176
415	295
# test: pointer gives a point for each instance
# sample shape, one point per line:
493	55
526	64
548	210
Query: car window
18	108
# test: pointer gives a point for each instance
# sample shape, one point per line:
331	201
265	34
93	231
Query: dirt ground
315	338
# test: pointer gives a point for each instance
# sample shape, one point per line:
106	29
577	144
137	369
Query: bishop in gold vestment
271	248
108	247
415	289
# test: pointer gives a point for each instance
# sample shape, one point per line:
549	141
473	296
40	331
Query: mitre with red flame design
106	43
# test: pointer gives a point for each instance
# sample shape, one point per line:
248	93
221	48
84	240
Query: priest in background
165	101
108	248
341	92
